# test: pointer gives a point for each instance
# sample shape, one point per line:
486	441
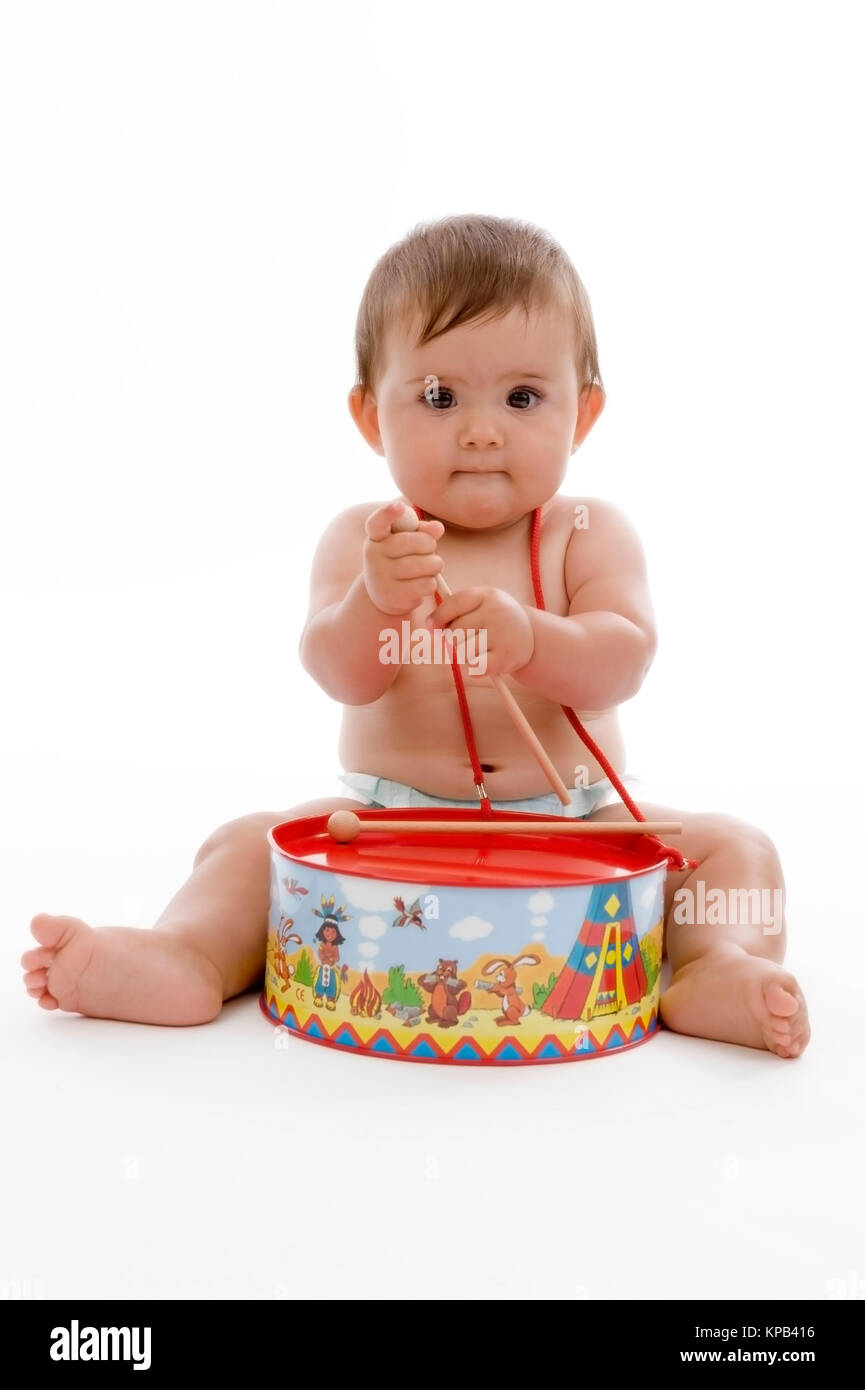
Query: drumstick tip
406	521
344	826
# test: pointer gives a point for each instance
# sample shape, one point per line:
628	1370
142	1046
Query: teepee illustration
604	971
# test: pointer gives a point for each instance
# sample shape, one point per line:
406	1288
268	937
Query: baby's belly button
458	758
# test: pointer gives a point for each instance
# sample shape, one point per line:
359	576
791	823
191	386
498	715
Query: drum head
475	856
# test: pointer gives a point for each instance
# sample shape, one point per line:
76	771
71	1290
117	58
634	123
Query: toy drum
477	945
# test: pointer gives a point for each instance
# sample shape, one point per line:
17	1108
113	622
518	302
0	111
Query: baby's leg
728	980
208	945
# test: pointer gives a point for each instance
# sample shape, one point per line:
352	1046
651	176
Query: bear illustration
449	997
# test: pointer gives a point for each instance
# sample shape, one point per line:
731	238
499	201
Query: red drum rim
474	857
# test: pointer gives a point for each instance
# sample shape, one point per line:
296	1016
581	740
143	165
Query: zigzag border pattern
424	1047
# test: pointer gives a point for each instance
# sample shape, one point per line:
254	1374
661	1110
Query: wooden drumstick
408	521
345	826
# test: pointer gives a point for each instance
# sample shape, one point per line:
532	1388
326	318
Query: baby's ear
364	412
592	401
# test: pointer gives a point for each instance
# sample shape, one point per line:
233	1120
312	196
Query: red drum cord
674	857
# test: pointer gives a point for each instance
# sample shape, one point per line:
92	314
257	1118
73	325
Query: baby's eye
436	399
523	391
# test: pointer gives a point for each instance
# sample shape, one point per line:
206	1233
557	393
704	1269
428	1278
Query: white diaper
383	792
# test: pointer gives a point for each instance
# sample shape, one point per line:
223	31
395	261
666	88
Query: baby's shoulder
585	513
592	522
597	535
350	524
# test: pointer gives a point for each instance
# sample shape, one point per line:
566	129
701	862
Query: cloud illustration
541	902
377	895
470	928
372	926
539	921
368	949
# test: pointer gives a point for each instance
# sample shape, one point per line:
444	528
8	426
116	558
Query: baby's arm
364	579
599	654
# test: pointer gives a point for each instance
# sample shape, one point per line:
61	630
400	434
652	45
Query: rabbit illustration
506	987
282	965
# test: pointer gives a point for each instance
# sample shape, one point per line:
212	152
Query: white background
194	196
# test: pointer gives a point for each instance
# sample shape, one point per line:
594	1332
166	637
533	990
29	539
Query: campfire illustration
365	999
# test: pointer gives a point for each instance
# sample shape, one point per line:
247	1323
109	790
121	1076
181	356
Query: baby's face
496	441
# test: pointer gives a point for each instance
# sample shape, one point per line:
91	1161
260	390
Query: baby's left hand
510	639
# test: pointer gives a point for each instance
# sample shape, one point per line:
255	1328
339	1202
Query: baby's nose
480	429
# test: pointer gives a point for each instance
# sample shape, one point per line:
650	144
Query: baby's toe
780	999
778	1030
800	1034
38	959
49	930
36	981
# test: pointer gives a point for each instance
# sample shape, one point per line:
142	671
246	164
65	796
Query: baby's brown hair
457	269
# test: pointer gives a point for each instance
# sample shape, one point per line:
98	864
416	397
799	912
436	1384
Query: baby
477	379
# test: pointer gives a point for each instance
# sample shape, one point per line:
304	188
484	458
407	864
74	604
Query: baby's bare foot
56	969
732	996
136	974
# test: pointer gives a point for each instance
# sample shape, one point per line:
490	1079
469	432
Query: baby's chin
487	508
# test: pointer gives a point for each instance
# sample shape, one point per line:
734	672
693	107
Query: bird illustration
292	886
409	916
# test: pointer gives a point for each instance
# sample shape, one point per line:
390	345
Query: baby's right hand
399	568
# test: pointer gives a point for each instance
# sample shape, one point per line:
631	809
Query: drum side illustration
473	948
